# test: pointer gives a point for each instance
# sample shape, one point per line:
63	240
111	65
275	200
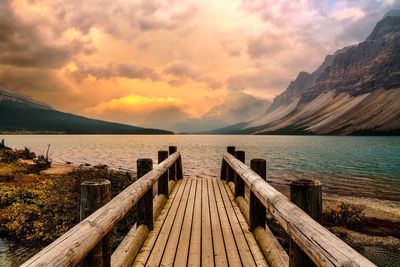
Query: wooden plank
207	250
182	252
251	241
148	245
178	227
74	245
323	247
160	246
195	237
230	244
218	241
244	251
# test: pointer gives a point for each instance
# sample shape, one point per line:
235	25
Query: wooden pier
186	221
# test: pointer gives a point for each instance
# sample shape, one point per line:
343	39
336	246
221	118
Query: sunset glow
118	60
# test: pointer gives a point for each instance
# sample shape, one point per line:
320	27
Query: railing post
257	209
179	170
94	194
163	182
307	195
230	173
145	204
239	183
172	170
223	169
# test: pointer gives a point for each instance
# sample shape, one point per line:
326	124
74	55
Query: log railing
84	239
321	246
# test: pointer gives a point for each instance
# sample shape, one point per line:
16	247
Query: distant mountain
236	107
354	91
21	113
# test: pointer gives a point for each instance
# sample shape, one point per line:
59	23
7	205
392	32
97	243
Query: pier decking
200	224
186	221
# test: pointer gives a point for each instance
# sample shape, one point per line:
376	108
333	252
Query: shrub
346	214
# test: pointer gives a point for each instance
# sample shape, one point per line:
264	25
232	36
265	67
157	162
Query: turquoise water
364	165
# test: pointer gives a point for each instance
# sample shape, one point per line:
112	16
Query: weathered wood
251	241
172	169
232	251
223	170
94	194
323	247
307	195
158	204
239	184
230	174
271	248
183	241
163	182
172	243
257	210
74	245
243	205
207	247
168	225
179	170
231	186
171	185
145	205
245	254
126	252
168	209
220	256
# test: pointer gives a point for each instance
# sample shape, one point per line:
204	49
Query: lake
368	166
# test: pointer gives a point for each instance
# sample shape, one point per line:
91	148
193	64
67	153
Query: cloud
67	52
181	70
22	46
84	70
256	79
267	44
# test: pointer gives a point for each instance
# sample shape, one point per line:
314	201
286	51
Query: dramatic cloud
124	70
119	59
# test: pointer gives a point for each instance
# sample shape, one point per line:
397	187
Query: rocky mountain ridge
354	91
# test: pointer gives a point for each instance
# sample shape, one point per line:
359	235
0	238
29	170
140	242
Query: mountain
355	91
22	113
236	107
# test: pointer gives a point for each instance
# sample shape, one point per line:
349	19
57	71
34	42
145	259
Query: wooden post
239	183
94	194
307	195
163	182
223	169
230	172
172	170
145	204
179	170
257	209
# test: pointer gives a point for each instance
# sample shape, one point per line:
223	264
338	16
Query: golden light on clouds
119	59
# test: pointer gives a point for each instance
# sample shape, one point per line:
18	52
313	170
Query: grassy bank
38	204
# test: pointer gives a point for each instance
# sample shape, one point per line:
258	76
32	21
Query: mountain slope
355	91
20	113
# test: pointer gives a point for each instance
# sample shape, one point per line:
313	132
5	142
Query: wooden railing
86	242
320	246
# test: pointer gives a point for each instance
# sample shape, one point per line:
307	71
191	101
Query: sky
120	60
